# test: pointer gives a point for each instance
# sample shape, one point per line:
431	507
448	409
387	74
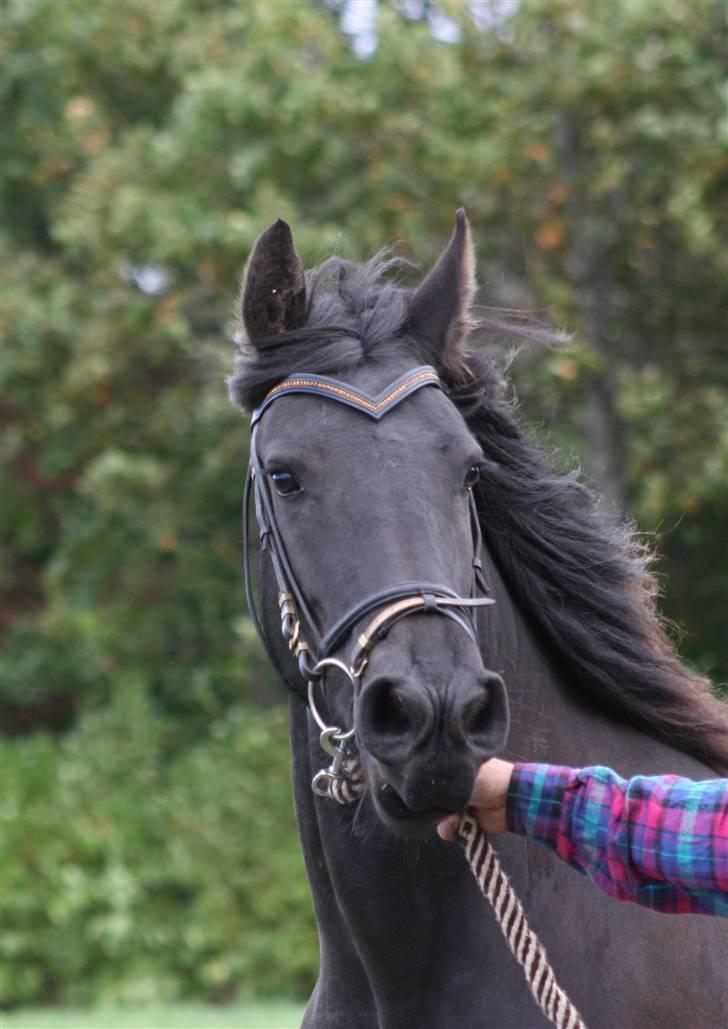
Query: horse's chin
401	819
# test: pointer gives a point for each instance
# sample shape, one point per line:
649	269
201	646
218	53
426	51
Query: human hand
488	802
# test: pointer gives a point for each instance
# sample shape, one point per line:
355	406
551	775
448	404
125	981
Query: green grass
173	1016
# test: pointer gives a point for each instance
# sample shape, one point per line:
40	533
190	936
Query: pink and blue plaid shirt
661	841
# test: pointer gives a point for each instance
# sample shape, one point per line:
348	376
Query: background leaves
145	146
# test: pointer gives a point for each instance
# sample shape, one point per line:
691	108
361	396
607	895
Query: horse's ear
274	287
439	310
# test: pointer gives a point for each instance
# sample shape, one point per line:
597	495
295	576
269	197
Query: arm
659	841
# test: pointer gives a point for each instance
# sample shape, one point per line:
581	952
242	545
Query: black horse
361	505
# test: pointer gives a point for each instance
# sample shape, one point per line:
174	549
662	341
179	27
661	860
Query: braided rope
522	941
349	786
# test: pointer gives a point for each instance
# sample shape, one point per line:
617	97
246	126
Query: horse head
363	471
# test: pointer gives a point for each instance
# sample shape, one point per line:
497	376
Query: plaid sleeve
660	841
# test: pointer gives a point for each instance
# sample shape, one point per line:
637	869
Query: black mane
582	581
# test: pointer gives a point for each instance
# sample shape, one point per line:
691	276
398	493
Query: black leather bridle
313	648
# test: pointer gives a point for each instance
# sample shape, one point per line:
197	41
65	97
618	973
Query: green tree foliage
146	144
154	873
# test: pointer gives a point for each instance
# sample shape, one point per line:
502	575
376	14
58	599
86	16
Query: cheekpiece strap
376	407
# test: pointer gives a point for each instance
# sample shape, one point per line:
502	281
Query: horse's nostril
483	718
396	717
386	712
477	715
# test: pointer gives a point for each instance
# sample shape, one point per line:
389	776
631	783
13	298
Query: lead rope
522	941
493	883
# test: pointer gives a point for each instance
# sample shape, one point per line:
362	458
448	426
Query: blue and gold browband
376	407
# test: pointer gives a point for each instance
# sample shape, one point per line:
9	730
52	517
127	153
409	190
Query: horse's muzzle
422	746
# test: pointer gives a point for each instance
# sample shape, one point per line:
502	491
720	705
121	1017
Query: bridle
312	648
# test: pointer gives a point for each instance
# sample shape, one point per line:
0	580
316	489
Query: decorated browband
376	407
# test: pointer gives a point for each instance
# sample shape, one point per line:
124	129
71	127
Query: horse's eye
472	476
285	483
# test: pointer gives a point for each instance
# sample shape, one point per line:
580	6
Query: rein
343	780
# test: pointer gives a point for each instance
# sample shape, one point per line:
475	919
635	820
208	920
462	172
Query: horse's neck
549	723
394	914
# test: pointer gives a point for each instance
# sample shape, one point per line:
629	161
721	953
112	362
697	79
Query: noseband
312	648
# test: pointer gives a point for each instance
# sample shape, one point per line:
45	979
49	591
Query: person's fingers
448	827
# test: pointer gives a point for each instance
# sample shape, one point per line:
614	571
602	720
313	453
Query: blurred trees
136	872
147	144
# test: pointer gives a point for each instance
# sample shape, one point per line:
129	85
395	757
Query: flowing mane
582	581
